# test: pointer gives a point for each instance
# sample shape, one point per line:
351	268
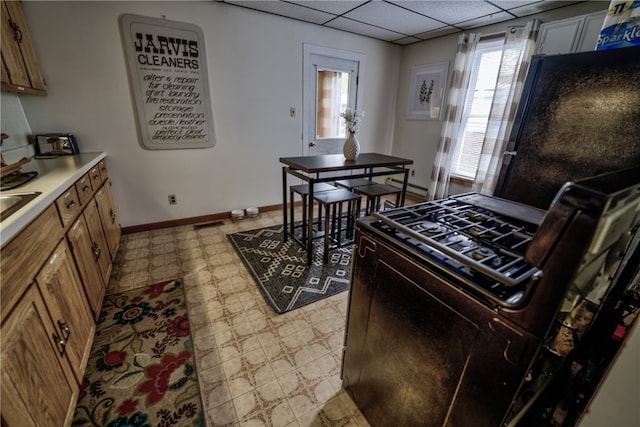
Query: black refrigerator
579	116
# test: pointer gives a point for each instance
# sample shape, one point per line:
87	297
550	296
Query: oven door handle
365	244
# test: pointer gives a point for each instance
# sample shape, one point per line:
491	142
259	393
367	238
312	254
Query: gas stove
481	239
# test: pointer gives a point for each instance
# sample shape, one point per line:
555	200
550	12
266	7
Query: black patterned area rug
281	272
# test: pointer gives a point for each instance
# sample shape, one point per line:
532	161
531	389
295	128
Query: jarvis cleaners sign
168	73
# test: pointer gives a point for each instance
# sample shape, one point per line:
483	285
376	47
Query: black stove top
480	238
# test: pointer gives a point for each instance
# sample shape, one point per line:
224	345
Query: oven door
418	351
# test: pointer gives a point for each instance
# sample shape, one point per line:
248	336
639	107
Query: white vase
351	147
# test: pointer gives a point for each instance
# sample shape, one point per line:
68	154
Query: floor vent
208	225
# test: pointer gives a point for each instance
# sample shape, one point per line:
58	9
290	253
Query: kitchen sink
10	203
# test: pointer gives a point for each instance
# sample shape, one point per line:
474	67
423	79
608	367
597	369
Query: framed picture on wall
426	93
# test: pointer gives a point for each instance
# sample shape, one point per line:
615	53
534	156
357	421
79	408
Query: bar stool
374	193
303	191
332	201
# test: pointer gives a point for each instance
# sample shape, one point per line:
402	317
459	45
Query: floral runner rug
142	369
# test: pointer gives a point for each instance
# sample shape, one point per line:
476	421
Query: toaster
56	144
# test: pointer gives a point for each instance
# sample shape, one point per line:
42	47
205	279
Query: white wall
16	125
255	67
418	139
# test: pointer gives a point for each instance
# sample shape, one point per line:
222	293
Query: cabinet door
110	223
26	61
14	70
591	31
559	36
88	254
37	384
103	258
64	296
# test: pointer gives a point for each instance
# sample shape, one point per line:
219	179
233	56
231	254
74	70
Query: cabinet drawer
84	189
94	176
104	173
68	206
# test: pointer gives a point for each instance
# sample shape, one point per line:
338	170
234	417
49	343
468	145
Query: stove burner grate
492	244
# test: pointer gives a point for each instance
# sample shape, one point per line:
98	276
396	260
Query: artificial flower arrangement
351	119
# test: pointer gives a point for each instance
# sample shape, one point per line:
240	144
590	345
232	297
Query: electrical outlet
172	199
292	111
413	172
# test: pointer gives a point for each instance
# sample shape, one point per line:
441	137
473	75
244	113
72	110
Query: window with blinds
475	113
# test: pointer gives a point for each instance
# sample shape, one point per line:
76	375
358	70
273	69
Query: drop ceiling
402	22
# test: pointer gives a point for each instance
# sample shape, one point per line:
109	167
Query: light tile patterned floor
256	368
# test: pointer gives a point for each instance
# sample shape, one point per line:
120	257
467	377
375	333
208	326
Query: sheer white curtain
517	51
453	114
519	45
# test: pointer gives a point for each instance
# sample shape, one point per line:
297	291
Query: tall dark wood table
309	168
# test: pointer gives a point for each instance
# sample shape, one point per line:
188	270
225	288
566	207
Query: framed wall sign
426	93
168	74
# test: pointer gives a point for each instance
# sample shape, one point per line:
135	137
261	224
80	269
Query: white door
330	86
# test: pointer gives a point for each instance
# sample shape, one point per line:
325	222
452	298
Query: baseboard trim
189	221
214	217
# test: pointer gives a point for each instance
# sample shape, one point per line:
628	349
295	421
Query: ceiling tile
519	9
437	33
449	12
407	40
485	20
334	7
394	18
363	29
289	10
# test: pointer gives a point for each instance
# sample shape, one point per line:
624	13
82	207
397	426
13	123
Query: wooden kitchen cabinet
63	294
110	223
51	295
91	254
20	67
38	388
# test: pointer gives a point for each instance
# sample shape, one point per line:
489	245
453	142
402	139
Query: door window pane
332	99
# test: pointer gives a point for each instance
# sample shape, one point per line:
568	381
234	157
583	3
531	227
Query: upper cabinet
20	68
579	34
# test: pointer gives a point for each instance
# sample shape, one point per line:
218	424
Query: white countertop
54	177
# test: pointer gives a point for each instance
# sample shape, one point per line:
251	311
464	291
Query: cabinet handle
71	204
66	332
61	344
96	250
85	188
112	214
17	33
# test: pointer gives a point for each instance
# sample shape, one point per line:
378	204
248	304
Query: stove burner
477	231
478	216
429	228
459	239
481	253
